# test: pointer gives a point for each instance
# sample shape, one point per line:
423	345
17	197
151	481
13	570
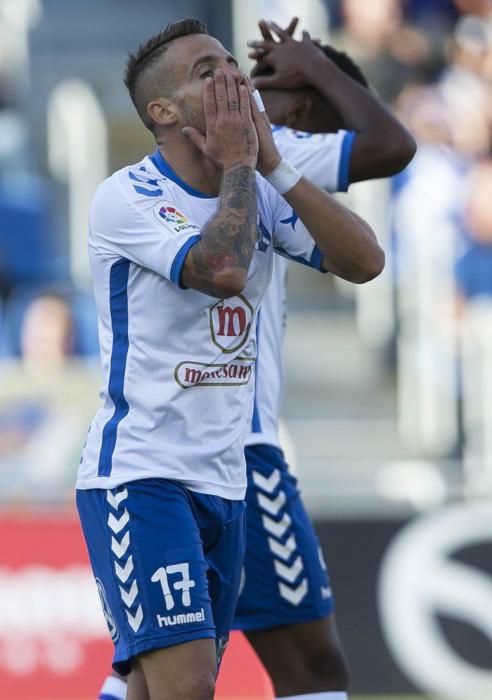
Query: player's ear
299	112
163	112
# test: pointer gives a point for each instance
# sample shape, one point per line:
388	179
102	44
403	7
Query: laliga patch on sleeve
172	218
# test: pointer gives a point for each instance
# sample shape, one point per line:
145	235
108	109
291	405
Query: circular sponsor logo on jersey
172	218
172	215
113	629
230	323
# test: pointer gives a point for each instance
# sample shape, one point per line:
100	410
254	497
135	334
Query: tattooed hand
230	139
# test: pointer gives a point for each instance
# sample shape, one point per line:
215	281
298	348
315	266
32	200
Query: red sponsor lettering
192	376
232	321
244	372
189	374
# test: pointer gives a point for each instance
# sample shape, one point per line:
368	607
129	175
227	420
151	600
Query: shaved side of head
146	75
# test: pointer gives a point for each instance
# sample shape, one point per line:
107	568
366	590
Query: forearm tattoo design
229	238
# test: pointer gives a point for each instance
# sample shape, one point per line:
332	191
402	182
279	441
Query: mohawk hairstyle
144	58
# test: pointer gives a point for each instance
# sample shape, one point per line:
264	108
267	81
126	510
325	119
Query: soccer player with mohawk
181	247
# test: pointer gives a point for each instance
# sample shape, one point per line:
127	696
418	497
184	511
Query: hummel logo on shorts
185	618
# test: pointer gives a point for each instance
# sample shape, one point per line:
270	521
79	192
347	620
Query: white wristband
284	177
259	101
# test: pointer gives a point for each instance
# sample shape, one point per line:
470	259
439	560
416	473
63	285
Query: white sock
337	695
113	689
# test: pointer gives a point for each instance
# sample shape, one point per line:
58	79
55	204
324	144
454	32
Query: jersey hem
232	493
262	439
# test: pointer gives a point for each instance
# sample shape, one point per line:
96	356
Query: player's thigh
222	526
182	672
285	580
136	684
305	650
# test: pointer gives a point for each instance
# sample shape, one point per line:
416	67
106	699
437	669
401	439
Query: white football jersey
324	159
178	365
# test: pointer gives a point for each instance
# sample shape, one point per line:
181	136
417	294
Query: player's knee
328	667
195	687
321	670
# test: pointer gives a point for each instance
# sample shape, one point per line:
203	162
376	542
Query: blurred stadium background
387	411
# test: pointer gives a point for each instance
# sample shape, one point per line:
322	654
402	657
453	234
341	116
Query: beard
192	117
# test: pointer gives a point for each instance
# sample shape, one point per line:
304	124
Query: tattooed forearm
228	239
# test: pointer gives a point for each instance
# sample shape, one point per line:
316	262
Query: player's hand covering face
230	135
286	59
268	155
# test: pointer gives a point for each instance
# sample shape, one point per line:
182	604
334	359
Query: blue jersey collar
163	167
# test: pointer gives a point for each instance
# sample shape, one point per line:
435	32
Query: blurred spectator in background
451	121
427	207
390	51
474	315
47	399
467	81
53	321
450	118
48	334
471	47
435	16
439	165
474	268
483	8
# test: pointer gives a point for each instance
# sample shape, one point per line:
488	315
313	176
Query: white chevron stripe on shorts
118	523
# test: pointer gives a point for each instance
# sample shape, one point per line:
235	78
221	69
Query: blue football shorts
284	580
167	563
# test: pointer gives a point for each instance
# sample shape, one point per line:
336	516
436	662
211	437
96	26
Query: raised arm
382	147
347	243
218	264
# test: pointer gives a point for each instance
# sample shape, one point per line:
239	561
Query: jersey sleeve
149	230
290	238
324	159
